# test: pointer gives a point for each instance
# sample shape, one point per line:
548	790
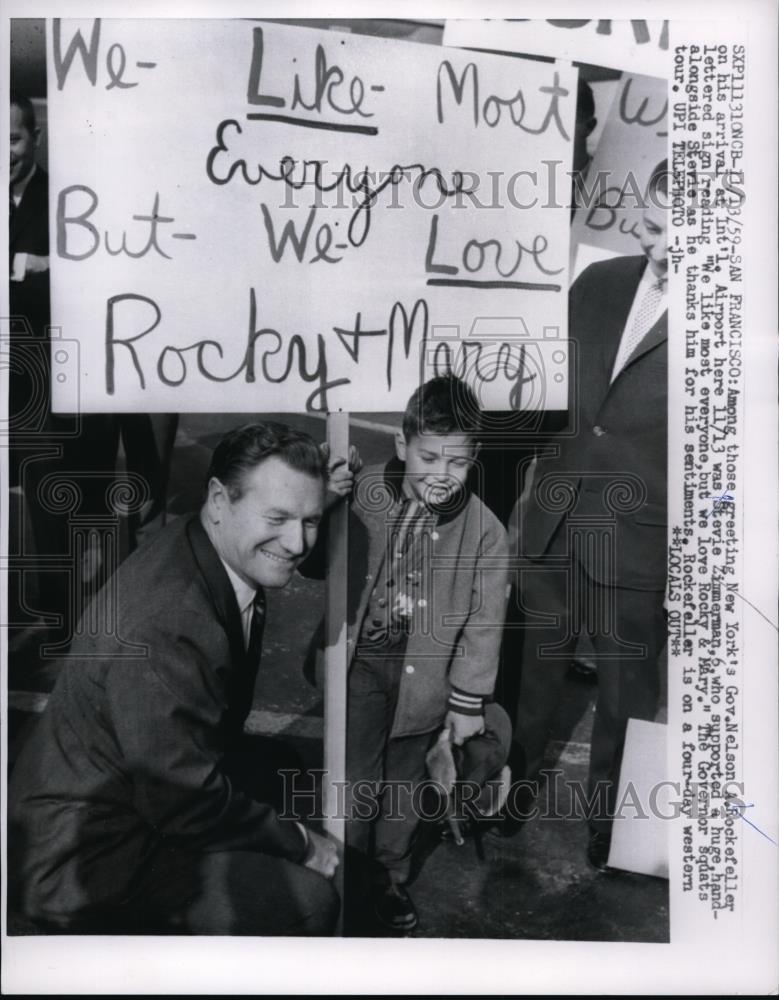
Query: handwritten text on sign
632	144
258	217
636	46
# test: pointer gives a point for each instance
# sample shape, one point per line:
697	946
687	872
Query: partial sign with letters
641	45
633	142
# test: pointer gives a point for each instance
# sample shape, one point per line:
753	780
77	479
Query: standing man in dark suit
81	449
40	441
591	530
134	806
34	448
28	259
28	223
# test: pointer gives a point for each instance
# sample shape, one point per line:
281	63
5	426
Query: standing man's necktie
254	648
642	324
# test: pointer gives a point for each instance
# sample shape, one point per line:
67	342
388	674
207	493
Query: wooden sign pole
336	654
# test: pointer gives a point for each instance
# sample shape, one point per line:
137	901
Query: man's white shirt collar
649	278
244	595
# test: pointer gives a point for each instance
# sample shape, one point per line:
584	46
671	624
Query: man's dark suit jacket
617	432
127	754
30	303
28	232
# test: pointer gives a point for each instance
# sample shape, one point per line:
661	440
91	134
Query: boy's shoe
394	908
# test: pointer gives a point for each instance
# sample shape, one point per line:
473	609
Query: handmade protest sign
639	45
249	216
633	142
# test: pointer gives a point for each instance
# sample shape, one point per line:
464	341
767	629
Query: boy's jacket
456	637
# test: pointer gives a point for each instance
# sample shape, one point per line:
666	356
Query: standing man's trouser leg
627	628
628	688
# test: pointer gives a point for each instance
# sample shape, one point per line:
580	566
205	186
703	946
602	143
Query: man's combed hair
658	180
443	405
27	108
244	448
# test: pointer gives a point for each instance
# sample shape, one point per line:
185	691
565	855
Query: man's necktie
257	627
642	324
240	689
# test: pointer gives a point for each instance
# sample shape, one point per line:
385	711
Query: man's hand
23	263
464	726
340	474
323	855
36	263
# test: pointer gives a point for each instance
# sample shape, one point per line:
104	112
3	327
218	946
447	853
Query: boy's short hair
443	405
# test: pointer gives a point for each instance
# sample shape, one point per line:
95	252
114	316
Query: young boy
428	579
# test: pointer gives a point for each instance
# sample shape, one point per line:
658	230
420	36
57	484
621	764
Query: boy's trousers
372	757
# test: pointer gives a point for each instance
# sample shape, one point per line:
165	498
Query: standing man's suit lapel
656	335
619	310
620	307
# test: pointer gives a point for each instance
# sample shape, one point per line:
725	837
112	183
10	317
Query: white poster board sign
633	142
639	840
255	217
642	45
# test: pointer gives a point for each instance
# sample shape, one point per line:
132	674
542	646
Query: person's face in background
582	131
23	146
584	125
654	241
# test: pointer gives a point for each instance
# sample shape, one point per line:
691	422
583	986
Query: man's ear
476	449
37	136
217	500
400	445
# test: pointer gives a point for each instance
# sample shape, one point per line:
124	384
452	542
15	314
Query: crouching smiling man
124	813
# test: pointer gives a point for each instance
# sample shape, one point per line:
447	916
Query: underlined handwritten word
478	254
328	92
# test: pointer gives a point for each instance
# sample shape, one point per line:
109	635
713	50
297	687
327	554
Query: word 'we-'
115	59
